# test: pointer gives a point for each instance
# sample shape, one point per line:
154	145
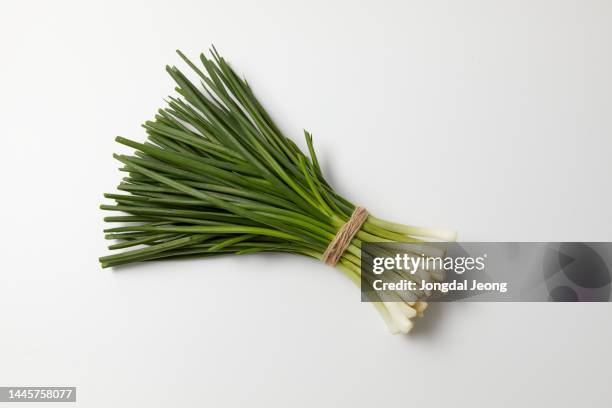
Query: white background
491	117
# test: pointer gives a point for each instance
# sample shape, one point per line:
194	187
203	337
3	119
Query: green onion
217	176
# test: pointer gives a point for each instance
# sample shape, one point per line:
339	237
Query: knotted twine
343	238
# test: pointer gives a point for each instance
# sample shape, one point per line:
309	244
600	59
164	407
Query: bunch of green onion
217	176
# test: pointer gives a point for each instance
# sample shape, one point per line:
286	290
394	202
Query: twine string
343	238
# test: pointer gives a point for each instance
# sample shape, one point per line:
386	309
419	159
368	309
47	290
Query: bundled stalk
217	176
